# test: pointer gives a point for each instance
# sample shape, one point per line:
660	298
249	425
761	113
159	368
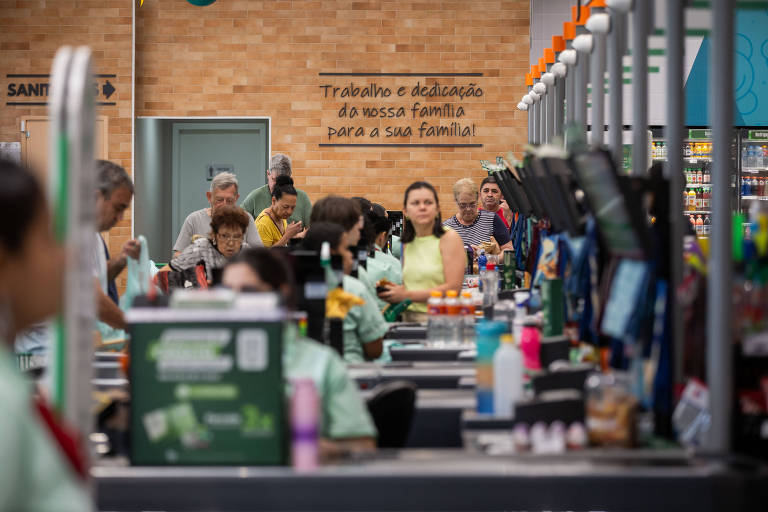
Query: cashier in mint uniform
114	190
345	422
42	465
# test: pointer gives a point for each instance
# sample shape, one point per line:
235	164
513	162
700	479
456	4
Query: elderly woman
474	226
228	226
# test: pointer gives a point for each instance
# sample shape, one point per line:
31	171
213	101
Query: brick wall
262	58
30	34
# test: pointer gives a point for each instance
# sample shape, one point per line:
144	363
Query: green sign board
206	390
700	133
758	134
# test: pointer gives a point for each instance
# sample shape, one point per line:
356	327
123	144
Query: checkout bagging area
559	378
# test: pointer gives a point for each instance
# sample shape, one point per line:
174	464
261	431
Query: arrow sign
108	89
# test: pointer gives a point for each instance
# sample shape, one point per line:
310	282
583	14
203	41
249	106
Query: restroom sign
33	89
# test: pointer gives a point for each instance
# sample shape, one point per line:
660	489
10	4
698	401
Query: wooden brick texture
31	32
262	58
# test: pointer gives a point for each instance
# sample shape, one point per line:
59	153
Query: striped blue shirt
486	224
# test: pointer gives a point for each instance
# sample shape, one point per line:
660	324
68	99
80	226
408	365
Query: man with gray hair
261	198
114	190
223	192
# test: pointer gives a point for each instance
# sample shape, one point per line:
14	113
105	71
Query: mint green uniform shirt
34	476
344	414
363	324
384	266
261	198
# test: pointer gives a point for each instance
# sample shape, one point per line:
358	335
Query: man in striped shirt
475	226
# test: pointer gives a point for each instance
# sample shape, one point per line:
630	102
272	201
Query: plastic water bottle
490	280
521	311
482	261
507	377
435	312
305	419
453	320
467	317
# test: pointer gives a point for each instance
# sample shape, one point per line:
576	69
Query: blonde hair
464	185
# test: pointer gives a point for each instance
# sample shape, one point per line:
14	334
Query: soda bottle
707	175
699	225
699	177
490	280
453	320
707	198
760	186
693	221
467	317
707	225
435	312
691	200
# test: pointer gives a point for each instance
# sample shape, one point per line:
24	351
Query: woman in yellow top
272	223
433	256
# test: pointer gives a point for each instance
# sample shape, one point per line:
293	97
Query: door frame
25	144
233	119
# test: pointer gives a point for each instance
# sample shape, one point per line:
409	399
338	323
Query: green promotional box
206	387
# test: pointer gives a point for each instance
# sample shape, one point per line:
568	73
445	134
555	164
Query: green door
203	148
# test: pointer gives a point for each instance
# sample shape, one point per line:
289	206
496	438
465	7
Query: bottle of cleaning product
488	333
507	377
305	420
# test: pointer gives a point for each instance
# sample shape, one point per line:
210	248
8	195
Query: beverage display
435	316
453	321
467	317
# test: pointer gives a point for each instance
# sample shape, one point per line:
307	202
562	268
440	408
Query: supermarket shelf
755	170
697	185
755	198
697	212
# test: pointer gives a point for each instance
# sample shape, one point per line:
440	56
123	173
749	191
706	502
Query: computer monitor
618	211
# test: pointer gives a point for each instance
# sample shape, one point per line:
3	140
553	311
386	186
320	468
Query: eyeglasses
220	201
467	206
230	238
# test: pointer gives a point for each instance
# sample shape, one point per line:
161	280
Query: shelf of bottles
697	169
754	167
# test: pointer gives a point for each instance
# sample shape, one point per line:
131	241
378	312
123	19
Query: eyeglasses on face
230	238
229	201
467	206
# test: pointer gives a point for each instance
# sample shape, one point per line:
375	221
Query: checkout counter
443	477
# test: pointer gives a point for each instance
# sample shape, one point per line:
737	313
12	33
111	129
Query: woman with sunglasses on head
228	226
433	256
272	222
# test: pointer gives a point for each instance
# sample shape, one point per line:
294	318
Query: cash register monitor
617	210
513	192
527	180
564	186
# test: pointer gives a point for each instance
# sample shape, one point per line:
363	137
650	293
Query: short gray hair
280	165
223	180
464	185
110	177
